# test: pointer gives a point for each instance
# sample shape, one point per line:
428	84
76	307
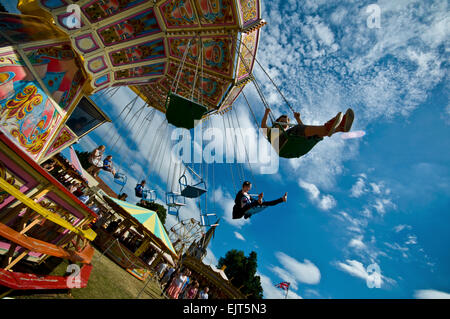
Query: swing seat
192	191
120	179
254	210
182	112
297	146
205	219
176	204
149	195
171	200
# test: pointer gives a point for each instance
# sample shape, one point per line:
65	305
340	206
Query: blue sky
382	198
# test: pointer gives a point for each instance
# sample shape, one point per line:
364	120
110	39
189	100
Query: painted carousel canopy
207	45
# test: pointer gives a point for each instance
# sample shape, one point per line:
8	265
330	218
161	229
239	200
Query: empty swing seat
192	191
120	179
182	112
172	200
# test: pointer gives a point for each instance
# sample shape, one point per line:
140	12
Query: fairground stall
186	58
134	238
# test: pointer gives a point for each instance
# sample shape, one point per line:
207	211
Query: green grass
107	281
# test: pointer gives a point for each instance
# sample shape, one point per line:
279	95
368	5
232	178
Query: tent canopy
147	218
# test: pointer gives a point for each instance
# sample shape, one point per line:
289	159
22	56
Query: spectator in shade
49	165
161	269
203	294
192	292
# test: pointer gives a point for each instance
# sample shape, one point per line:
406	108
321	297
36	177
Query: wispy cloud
358	188
400	227
304	272
431	294
325	65
324	202
357	269
239	236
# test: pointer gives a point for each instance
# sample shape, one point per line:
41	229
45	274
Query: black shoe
246	216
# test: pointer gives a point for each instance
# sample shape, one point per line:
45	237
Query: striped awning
149	219
71	156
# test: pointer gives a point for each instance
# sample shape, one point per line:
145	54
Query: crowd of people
73	185
180	283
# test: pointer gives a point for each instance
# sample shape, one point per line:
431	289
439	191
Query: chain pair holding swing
293	146
181	111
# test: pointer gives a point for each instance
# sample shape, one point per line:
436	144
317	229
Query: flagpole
287	291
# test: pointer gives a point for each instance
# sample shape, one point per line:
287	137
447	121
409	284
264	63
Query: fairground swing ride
188	59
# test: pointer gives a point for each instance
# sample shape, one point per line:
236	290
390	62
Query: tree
84	159
2	8
159	209
242	272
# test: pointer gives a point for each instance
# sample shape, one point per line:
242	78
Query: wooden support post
14	211
28	227
18	225
17	259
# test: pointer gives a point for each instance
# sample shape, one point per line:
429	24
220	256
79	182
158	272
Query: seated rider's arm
264	120
297	118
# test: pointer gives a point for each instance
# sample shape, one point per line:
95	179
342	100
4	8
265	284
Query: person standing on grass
167	281
176	285
183	289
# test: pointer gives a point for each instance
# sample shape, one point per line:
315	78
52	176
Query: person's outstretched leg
327	129
347	121
259	202
276	201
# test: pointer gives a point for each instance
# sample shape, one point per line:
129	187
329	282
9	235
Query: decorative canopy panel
143	43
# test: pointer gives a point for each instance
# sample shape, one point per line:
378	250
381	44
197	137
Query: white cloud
210	258
397	247
285	276
357	243
376	188
357	269
239	236
327	202
354	268
400	227
431	294
412	240
358	188
305	272
324	202
381	205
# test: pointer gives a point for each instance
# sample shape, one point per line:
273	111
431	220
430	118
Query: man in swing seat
243	203
107	166
339	123
139	189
